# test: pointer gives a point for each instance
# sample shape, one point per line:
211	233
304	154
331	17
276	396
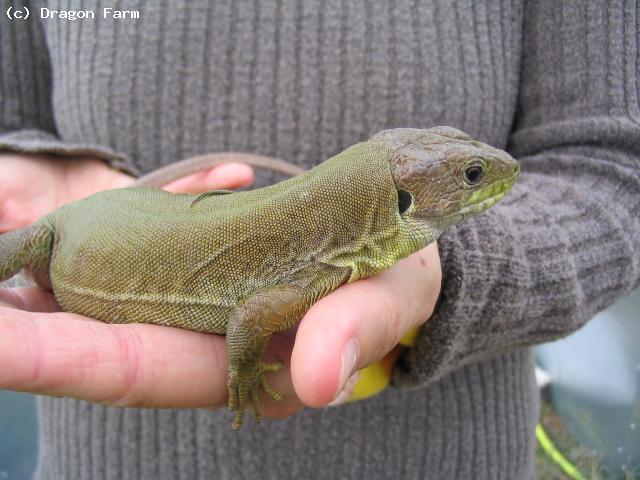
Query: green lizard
248	264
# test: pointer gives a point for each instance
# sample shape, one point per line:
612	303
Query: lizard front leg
254	320
28	247
248	332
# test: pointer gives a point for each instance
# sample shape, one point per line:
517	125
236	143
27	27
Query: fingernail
349	359
345	394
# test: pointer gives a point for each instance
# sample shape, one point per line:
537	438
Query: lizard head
443	176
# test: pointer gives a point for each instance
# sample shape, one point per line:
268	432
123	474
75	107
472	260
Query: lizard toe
273	393
272	366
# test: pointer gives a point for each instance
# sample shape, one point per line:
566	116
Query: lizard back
145	255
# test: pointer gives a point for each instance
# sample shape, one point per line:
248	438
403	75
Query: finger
31	299
361	322
222	177
63	354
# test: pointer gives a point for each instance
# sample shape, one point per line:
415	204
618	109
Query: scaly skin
249	264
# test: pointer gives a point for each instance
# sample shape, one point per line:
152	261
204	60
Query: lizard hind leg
27	247
248	332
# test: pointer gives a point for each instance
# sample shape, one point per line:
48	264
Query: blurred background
590	408
591	405
18	441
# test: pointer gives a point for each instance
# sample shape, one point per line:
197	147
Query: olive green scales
248	264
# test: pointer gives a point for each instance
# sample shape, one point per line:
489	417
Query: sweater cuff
34	141
465	327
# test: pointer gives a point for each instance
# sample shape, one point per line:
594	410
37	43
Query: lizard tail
27	247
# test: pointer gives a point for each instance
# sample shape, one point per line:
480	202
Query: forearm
565	243
534	270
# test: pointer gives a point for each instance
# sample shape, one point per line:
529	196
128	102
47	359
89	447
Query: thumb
220	177
359	323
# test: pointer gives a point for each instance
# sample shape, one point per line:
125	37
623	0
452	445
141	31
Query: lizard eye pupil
404	201
473	174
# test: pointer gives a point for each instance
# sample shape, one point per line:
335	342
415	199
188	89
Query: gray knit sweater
554	82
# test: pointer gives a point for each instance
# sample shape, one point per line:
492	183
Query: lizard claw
273	393
245	387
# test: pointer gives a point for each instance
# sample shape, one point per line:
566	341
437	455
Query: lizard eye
404	201
474	173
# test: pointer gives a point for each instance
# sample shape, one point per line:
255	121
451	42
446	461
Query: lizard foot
245	387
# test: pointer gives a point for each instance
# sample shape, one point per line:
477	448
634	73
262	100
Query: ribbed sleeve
27	123
566	242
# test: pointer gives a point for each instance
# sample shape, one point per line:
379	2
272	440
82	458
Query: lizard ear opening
404	201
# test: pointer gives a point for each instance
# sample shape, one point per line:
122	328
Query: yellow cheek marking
488	193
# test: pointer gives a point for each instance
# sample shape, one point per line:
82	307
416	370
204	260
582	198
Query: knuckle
128	391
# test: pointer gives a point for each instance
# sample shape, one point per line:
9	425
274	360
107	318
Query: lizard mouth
482	199
487	197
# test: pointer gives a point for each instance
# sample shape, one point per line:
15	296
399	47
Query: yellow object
550	449
409	338
373	379
377	376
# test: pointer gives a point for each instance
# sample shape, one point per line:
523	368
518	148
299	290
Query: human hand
138	365
362	323
351	328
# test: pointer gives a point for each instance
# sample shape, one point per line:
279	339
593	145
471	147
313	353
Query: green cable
555	455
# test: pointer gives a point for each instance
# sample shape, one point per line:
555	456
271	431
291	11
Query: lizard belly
119	306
